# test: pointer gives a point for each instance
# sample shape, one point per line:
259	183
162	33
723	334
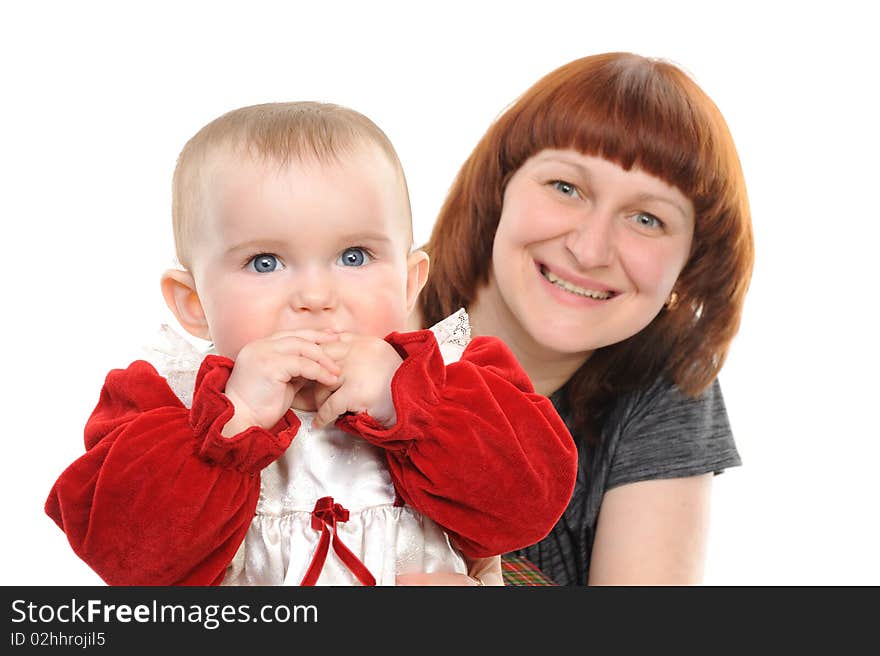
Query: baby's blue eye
264	263
353	257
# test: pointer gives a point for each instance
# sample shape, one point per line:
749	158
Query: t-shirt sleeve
664	434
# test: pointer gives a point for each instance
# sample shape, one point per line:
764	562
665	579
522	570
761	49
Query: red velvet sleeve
474	447
161	497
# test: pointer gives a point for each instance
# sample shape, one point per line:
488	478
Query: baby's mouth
575	289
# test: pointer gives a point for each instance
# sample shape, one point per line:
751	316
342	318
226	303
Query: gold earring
671	302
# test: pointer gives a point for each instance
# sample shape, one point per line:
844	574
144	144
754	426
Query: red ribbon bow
324	518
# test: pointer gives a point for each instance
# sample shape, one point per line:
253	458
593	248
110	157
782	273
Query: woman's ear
181	297
417	264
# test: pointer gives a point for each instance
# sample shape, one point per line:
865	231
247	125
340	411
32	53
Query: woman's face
586	253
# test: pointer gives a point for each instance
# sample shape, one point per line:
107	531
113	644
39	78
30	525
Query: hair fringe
636	112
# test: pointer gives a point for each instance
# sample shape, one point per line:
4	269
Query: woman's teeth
574	289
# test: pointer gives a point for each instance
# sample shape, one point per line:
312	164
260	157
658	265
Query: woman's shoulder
660	432
663	398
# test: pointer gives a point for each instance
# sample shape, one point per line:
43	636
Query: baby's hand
368	364
269	372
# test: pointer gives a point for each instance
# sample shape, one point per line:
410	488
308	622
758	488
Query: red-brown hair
636	112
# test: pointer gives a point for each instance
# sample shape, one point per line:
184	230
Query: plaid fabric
517	570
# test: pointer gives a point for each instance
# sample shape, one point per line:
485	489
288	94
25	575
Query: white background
98	98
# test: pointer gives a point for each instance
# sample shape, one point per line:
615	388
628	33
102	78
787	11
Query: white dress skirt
328	483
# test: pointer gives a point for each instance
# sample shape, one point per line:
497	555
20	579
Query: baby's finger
322	392
328	411
293	346
336	351
309	335
300	367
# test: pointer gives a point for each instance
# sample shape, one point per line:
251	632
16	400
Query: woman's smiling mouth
599	295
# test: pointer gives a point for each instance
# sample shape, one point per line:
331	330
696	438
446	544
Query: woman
601	228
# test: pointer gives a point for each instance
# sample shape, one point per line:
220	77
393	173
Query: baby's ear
417	264
181	297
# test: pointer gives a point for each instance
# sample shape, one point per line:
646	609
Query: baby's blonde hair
278	132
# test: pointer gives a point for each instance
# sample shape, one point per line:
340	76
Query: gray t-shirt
652	434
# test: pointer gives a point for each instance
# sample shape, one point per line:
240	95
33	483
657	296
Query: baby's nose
313	292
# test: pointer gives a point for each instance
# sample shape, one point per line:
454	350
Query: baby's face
306	245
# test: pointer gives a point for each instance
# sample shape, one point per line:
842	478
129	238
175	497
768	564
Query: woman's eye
264	263
645	220
354	257
565	187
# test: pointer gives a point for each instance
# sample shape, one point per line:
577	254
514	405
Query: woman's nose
591	242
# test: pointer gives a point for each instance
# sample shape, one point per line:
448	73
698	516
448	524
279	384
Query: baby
313	422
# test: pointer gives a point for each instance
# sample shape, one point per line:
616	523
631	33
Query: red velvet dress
160	497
